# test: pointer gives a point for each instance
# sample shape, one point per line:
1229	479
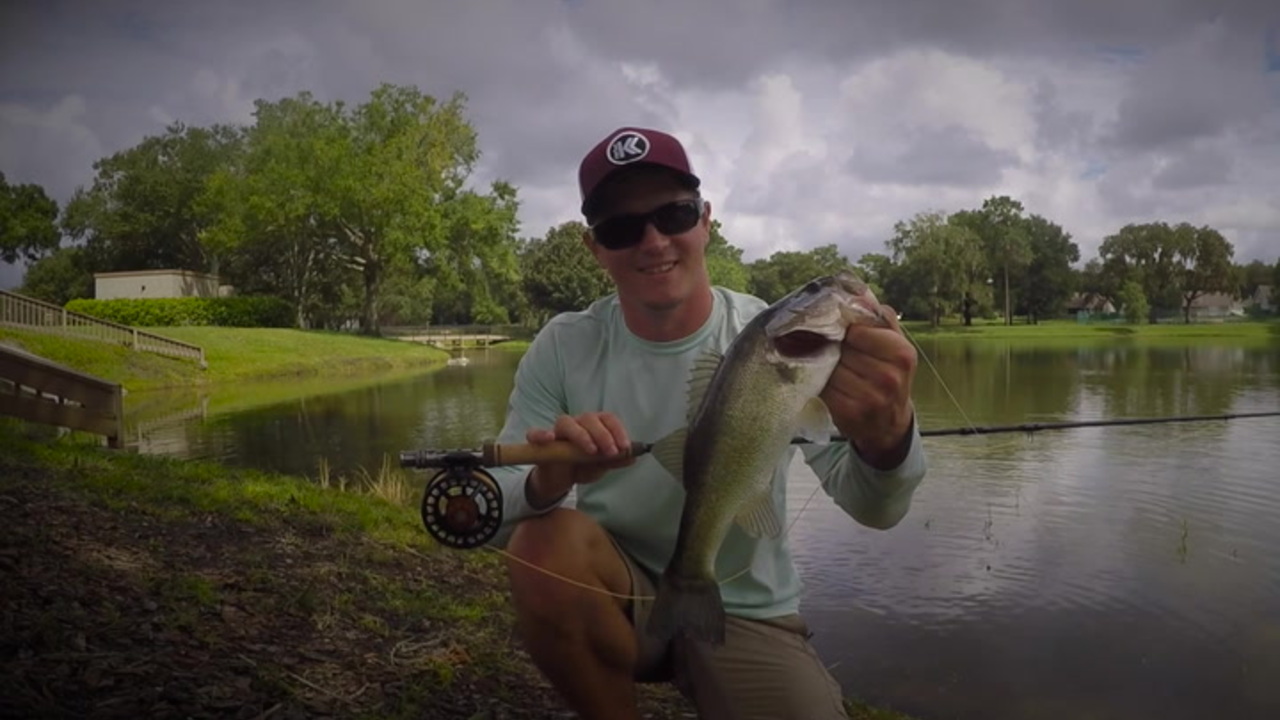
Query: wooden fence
19	311
39	390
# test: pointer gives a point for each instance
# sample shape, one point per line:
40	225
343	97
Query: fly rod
462	504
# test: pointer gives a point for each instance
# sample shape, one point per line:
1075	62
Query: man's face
662	270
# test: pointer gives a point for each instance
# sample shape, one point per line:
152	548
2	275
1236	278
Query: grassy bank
145	587
1242	331
232	354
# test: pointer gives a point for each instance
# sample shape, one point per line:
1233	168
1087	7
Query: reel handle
559	451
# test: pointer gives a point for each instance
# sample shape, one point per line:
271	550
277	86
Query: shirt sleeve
875	498
537	399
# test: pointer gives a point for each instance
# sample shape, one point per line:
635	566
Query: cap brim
690	181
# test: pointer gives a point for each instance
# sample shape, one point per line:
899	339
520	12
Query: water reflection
351	429
1100	572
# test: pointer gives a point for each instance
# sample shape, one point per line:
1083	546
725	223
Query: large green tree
1002	232
1146	254
475	272
1048	280
371	189
936	258
142	210
28	222
1204	264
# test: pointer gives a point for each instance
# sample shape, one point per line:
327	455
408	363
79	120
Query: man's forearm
542	489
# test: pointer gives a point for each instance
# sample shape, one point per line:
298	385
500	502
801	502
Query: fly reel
462	503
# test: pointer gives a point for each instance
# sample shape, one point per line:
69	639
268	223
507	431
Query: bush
238	311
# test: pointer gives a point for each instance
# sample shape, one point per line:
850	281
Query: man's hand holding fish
869	393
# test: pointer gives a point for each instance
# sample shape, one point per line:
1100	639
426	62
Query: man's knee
554	554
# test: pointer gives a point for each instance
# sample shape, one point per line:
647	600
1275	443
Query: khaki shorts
765	669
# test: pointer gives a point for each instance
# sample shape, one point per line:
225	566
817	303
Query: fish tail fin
688	605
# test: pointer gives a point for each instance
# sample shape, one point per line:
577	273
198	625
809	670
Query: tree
1133	302
937	258
370	189
28	222
143	211
1204	264
475	272
772	278
60	277
1275	285
272	214
1048	281
559	274
1251	276
724	262
1095	280
1002	233
1148	255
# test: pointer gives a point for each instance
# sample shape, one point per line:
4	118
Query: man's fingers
539	436
593	432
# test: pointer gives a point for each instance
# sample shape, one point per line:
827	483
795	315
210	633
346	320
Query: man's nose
651	238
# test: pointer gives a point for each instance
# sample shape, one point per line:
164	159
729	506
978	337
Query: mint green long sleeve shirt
589	361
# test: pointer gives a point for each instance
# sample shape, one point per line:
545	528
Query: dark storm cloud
1197	167
1209	82
950	155
1128	85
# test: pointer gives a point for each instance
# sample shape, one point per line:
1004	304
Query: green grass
166	486
232	354
512	345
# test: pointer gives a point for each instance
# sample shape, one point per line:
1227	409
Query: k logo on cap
628	147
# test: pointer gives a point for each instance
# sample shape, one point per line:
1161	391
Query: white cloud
811	122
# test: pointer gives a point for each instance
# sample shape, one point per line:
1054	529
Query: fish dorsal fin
758	518
704	368
669	452
814	421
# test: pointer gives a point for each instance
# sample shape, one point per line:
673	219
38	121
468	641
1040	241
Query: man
617	372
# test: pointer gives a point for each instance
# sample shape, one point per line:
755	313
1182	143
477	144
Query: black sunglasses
623	231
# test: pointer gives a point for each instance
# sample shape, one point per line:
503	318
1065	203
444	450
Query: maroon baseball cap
627	147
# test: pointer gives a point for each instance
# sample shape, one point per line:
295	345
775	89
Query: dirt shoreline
113	608
138	586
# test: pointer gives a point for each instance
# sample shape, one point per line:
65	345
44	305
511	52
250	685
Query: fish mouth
800	343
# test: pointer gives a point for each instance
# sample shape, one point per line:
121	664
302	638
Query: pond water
1115	572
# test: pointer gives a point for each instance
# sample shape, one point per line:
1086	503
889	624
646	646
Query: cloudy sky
810	121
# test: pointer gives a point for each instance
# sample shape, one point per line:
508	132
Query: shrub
238	311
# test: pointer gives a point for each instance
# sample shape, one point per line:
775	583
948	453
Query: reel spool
462	503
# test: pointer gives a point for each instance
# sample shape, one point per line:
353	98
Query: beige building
136	284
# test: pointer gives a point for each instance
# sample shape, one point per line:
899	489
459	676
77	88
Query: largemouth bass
745	406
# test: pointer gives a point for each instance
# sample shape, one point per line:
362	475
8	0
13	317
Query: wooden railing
19	311
39	390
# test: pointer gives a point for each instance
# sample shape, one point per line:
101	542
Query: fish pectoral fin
814	422
758	517
669	452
